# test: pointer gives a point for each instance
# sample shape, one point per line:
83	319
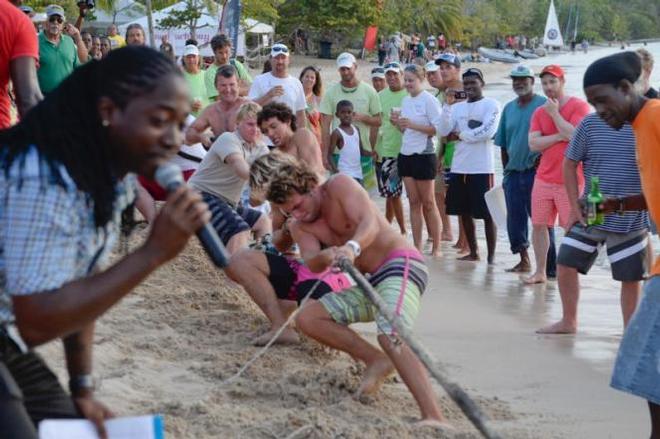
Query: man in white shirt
475	122
278	86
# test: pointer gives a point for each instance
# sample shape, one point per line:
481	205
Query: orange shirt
552	159
647	133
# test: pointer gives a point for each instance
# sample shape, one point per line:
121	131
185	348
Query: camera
460	94
89	4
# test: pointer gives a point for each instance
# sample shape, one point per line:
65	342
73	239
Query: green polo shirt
209	77
56	61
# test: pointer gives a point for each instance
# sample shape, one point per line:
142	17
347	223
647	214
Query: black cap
473	71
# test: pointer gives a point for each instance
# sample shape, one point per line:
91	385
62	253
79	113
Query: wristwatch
81	382
355	246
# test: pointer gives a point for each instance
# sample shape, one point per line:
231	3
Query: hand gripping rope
460	397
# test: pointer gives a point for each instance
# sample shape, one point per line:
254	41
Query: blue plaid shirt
47	231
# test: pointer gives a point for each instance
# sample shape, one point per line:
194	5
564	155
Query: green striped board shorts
400	282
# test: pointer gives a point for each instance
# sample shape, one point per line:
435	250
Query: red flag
370	38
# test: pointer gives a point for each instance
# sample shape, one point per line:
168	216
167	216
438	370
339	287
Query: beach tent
207	27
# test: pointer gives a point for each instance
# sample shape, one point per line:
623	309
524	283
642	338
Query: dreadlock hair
281	111
66	126
290	178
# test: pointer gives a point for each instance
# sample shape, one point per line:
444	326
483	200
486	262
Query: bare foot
469	257
435	424
288	336
436	253
536	278
374	376
447	237
521	267
561	327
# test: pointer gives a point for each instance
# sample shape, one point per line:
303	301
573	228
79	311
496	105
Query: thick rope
286	324
460	397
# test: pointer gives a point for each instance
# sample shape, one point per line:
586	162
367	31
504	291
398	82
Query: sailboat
552	37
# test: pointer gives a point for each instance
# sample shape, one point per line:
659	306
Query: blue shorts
637	367
227	220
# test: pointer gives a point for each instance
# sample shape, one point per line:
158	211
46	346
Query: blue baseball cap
522	71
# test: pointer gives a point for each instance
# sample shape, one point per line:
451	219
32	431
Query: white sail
552	36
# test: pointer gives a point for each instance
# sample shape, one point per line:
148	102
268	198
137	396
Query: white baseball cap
346	60
279	49
393	66
431	66
191	49
378	72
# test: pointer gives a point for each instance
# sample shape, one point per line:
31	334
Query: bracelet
81	382
355	246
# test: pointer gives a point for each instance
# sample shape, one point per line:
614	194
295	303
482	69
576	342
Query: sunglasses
56	18
392	65
378	70
279	49
411	68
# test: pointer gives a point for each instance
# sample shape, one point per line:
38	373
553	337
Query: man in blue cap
519	164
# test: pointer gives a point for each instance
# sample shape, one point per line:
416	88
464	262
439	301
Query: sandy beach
168	347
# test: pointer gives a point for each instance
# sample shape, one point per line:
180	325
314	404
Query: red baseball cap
554	70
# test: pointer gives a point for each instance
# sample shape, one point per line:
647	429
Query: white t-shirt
293	97
423	109
349	155
197	151
474	151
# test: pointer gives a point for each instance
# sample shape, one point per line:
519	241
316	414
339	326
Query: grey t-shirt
215	176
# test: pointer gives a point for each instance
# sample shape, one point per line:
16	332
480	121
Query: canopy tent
207	27
122	11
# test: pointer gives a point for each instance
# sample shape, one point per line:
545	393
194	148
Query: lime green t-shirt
389	136
209	77
197	88
364	99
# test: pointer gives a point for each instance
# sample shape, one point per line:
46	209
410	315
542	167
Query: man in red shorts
550	130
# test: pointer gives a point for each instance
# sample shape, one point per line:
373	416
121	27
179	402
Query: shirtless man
220	116
279	124
273	277
337	220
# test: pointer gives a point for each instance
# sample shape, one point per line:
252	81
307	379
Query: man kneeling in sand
337	220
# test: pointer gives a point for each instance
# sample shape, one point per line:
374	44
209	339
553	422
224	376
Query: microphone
170	177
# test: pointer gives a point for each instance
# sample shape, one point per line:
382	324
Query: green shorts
400	282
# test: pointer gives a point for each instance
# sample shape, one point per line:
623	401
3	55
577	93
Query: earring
105	123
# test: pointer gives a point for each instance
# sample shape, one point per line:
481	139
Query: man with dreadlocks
66	175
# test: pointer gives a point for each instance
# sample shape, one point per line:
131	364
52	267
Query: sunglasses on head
411	68
56	18
280	49
378	70
392	65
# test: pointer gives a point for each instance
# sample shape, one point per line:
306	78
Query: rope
286	324
460	397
